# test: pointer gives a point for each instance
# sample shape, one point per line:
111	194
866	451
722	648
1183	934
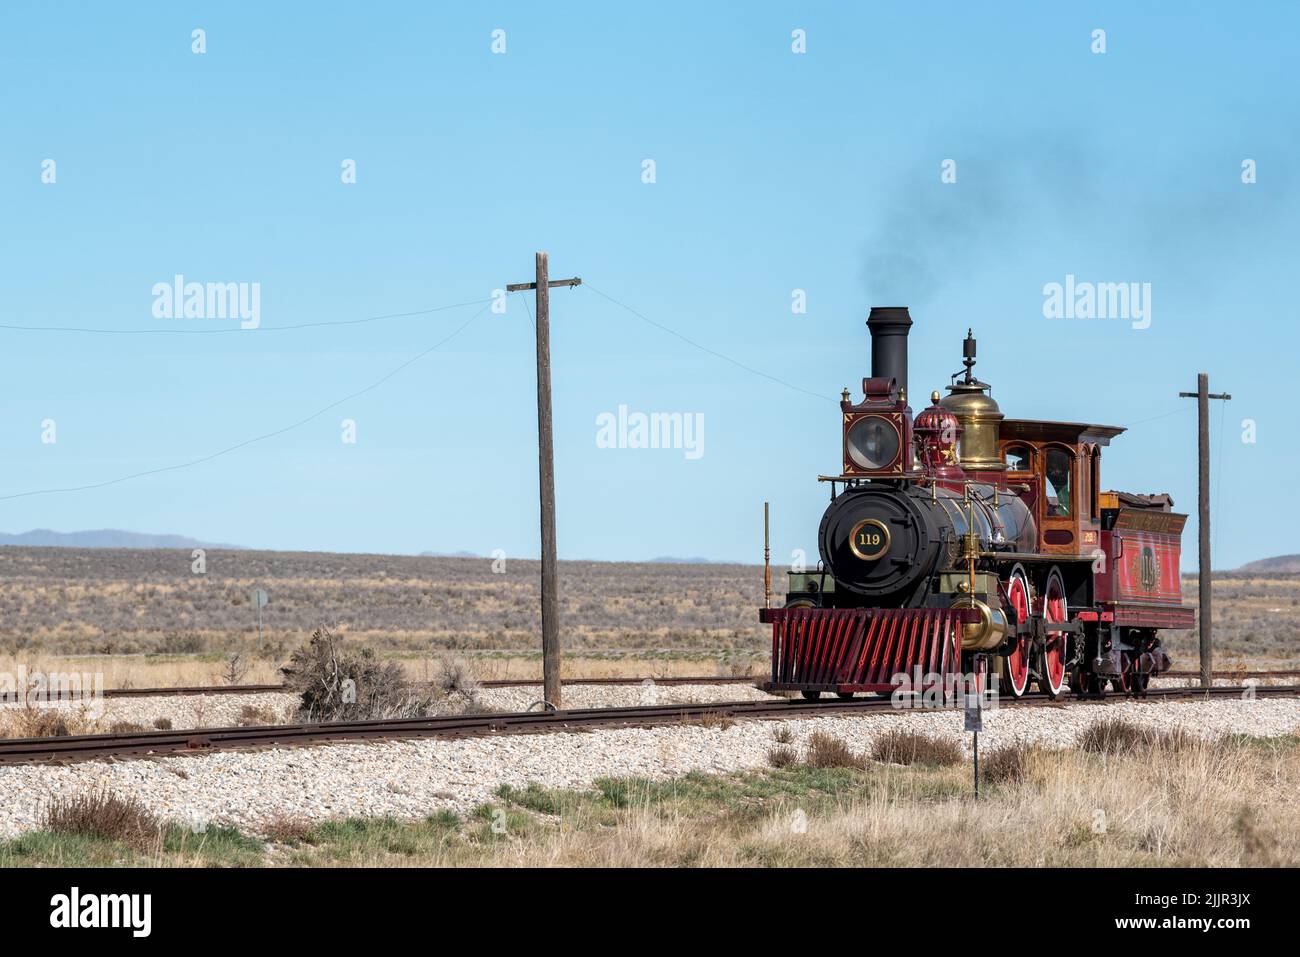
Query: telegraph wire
258	438
1162	415
531	321
231	329
702	348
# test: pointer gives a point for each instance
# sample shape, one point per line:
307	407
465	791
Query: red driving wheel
1051	674
1015	666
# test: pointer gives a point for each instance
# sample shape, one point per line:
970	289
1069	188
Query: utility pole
1205	622
546	467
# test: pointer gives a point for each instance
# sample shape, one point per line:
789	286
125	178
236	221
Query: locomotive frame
989	550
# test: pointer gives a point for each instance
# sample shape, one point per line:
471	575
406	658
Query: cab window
1019	458
1058	482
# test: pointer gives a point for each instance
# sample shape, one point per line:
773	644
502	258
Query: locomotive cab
1056	468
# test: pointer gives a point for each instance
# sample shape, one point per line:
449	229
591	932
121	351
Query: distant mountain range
116	538
103	538
1280	565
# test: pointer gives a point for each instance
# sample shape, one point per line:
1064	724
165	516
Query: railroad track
199	741
1243	675
10	697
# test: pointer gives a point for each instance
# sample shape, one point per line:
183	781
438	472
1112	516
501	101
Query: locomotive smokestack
889	326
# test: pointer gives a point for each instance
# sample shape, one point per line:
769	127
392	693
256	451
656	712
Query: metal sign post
260	601
975	719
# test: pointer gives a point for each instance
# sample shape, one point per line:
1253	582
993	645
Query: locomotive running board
862	649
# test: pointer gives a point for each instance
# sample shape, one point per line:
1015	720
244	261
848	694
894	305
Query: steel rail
198	741
174	691
177	691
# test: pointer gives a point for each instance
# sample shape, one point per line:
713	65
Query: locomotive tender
960	545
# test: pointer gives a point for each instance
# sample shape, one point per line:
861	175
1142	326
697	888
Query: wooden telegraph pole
546	462
1205	621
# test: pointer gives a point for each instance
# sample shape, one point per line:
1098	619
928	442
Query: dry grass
827	751
125	727
715	720
169	671
1117	736
37	723
909	747
110	601
782	756
1228	803
455	677
255	716
235	669
48	721
1225	804
105	610
103	814
286	829
1006	765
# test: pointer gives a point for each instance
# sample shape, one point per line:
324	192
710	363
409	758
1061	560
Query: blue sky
775	171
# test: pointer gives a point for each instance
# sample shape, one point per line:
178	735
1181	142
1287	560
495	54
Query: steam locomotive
960	543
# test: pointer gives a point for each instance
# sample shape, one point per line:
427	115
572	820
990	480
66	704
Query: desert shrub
782	735
102	814
827	751
454	677
235	669
337	682
163	723
284	829
38	723
125	727
715	720
782	756
909	747
1005	765
251	715
1117	736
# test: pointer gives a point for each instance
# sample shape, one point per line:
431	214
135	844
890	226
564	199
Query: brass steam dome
969	400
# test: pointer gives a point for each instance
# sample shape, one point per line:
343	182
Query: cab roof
1071	433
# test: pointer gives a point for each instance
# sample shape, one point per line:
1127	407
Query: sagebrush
341	682
103	814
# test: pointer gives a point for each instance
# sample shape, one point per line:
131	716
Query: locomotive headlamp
873	442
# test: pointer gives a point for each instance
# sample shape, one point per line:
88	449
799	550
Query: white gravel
1161	681
223	710
184	711
411	779
619	696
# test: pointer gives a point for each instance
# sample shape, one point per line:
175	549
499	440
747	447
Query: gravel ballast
224	710
411	779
